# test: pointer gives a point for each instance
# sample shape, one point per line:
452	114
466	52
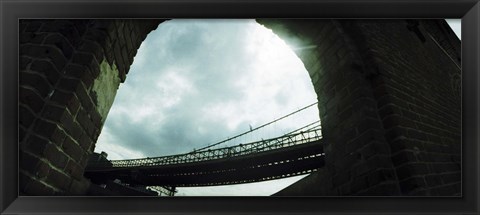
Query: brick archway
384	135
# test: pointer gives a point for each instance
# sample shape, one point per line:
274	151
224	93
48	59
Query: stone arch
378	140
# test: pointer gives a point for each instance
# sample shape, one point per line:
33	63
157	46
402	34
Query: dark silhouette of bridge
295	153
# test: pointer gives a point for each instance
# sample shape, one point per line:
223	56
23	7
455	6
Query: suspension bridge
296	152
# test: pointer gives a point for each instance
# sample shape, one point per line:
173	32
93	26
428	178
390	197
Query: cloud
196	82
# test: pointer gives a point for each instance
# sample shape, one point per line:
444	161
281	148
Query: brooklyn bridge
297	152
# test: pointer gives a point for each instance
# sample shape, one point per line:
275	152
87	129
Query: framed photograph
229	107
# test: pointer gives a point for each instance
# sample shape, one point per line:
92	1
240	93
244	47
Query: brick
96	118
349	135
85	142
384	189
54	113
362	140
451	177
455	158
80	72
89	46
345	114
36	144
74	170
36	82
45	52
395	133
97	33
435	139
440	158
412	184
410	115
24	62
359	183
76	131
67	123
37	188
32	37
380	161
42	170
397	120
386	100
445	167
341	178
23	179
85	158
74	31
85	122
372	149
58	179
48	69
50	131
72	149
85	99
84	58
447	190
66	98
61	43
411	169
363	168
379	176
380	91
25	116
56	157
403	157
118	59
30	99
367	124
69	84
94	70
436	148
32	164
425	157
348	161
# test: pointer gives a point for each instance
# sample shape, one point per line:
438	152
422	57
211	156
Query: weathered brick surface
59	122
417	96
389	90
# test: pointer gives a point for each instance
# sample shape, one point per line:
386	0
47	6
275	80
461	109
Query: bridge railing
233	151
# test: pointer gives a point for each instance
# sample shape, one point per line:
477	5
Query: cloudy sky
197	82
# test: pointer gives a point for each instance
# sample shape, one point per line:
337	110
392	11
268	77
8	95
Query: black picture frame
11	11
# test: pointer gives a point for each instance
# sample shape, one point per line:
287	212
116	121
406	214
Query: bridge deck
268	165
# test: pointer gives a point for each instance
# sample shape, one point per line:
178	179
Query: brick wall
59	121
388	93
419	101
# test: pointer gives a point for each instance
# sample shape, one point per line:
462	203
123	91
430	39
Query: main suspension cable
254	129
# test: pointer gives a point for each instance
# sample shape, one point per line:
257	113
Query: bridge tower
388	92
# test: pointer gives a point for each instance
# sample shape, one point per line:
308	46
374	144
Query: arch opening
194	82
